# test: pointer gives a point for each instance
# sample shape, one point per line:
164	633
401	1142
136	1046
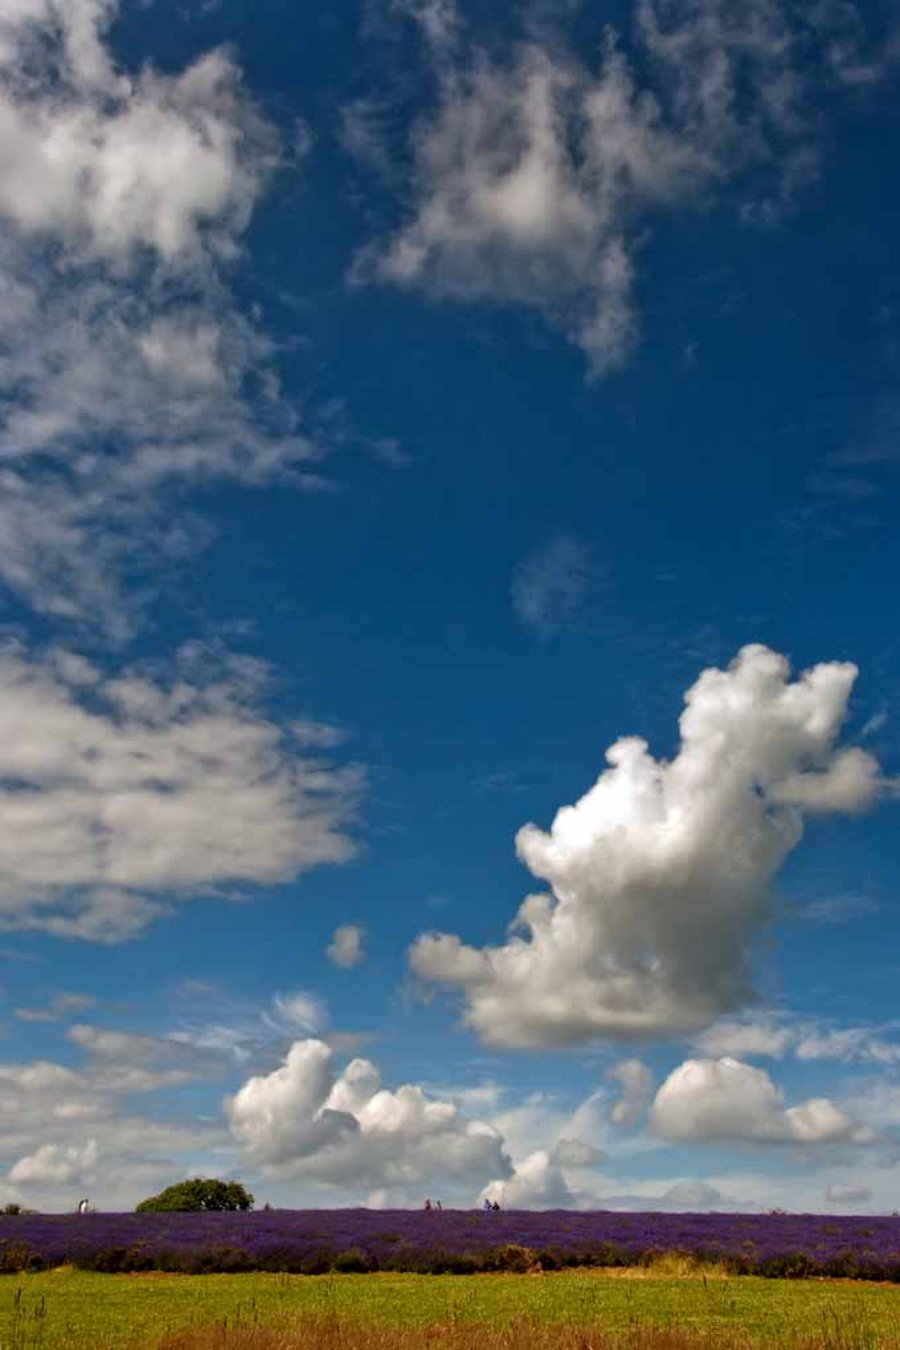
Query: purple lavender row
461	1240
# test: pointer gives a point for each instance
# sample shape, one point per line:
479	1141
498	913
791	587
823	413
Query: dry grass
332	1334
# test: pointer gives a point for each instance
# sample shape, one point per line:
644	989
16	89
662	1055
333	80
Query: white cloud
805	1038
550	585
724	1099
301	1011
838	909
763	1037
692	1195
659	875
113	163
64	1128
535	177
848	1194
124	363
55	1163
58	1006
346	946
126	1061
304	1120
636	1082
525	182
538	1182
116	792
438	19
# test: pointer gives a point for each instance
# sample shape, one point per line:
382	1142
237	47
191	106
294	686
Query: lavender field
455	1241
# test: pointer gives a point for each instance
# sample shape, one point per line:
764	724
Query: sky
449	652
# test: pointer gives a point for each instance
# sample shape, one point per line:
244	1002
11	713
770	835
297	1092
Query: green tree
196	1195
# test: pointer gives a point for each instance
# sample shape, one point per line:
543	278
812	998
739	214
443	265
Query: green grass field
82	1311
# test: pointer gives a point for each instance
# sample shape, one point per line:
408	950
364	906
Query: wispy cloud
552	584
125	366
536	176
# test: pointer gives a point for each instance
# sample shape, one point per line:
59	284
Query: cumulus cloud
306	1120
724	1099
119	793
125	366
535	177
346	946
636	1081
538	1182
55	1163
659	875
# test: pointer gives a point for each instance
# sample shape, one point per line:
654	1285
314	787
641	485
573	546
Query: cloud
723	1099
302	1011
64	1127
346	946
125	366
56	1163
535	177
847	1194
439	20
764	1037
551	584
838	908
125	1061
804	1038
58	1006
659	875
538	1182
114	164
118	793
637	1084
692	1195
305	1120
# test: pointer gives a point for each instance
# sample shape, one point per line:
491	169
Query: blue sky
404	405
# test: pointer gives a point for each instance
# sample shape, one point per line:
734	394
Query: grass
75	1310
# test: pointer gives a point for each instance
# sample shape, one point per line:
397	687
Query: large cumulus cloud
724	1099
658	877
306	1120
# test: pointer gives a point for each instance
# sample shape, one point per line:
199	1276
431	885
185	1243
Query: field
75	1310
453	1242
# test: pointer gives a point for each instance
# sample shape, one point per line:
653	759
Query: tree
196	1195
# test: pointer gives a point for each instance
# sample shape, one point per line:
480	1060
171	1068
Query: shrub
198	1195
16	1257
513	1258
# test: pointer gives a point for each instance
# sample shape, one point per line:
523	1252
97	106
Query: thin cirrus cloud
659	876
551	585
123	796
806	1039
125	366
536	176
